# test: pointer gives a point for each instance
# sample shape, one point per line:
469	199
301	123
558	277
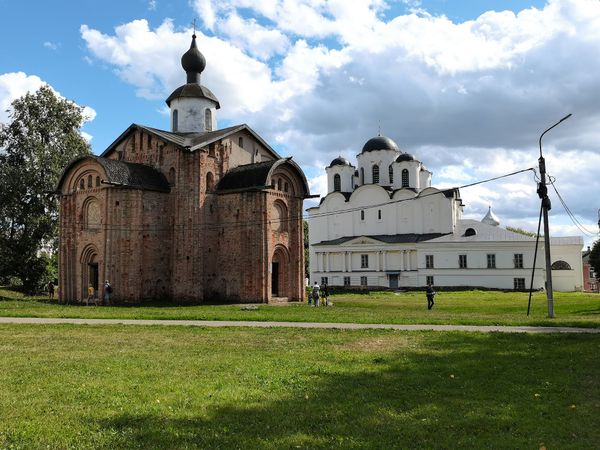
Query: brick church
192	214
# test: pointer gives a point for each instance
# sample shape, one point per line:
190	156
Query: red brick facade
179	231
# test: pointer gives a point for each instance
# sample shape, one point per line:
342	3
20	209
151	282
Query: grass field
463	308
112	387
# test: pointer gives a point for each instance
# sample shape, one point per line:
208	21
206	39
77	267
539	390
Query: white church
382	225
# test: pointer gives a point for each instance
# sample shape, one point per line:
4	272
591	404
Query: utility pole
547	206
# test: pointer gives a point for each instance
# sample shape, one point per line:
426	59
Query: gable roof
407	238
190	141
123	174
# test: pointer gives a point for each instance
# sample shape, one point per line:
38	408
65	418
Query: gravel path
346	326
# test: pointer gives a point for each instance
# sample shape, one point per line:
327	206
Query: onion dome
340	161
380	143
405	157
193	62
491	218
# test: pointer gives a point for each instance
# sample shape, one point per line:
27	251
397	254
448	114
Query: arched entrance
280	279
89	270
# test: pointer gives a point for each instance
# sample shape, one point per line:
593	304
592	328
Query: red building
191	214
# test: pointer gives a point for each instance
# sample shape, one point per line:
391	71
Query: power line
141	227
574	219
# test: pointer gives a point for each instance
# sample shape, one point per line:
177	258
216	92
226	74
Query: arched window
279	219
175	120
362	176
362	215
391	173
82	184
337	183
405	178
97	181
210	181
375	174
561	265
172	176
207	120
279	184
91	214
241	142
286	187
470	232
90	181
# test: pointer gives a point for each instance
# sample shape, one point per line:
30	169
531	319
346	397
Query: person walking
50	289
430	295
325	294
108	290
315	293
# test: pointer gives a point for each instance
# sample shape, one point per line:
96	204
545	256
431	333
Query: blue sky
466	86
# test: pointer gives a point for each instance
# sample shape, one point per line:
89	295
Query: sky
467	87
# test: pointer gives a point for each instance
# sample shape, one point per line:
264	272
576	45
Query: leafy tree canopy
43	134
595	258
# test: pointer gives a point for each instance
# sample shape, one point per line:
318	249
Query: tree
522	231
595	258
43	134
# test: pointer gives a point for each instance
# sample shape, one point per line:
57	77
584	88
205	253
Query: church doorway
93	275
279	273
393	277
275	279
90	274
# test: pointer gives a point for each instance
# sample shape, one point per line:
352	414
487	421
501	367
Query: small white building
382	224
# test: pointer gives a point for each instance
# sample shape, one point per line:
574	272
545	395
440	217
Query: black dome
340	161
405	157
193	60
380	143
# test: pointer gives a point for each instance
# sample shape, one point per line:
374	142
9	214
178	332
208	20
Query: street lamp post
546	206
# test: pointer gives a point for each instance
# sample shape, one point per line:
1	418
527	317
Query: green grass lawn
464	308
112	387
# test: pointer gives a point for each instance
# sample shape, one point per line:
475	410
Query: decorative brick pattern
192	244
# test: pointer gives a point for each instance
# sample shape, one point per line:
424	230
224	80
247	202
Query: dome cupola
193	62
193	106
490	218
405	157
340	161
380	143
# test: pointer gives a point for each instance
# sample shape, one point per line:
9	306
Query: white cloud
468	99
253	38
14	85
51	45
87	136
89	113
318	184
152	4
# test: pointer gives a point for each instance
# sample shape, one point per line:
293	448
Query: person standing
50	289
107	292
430	295
91	295
315	294
325	294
